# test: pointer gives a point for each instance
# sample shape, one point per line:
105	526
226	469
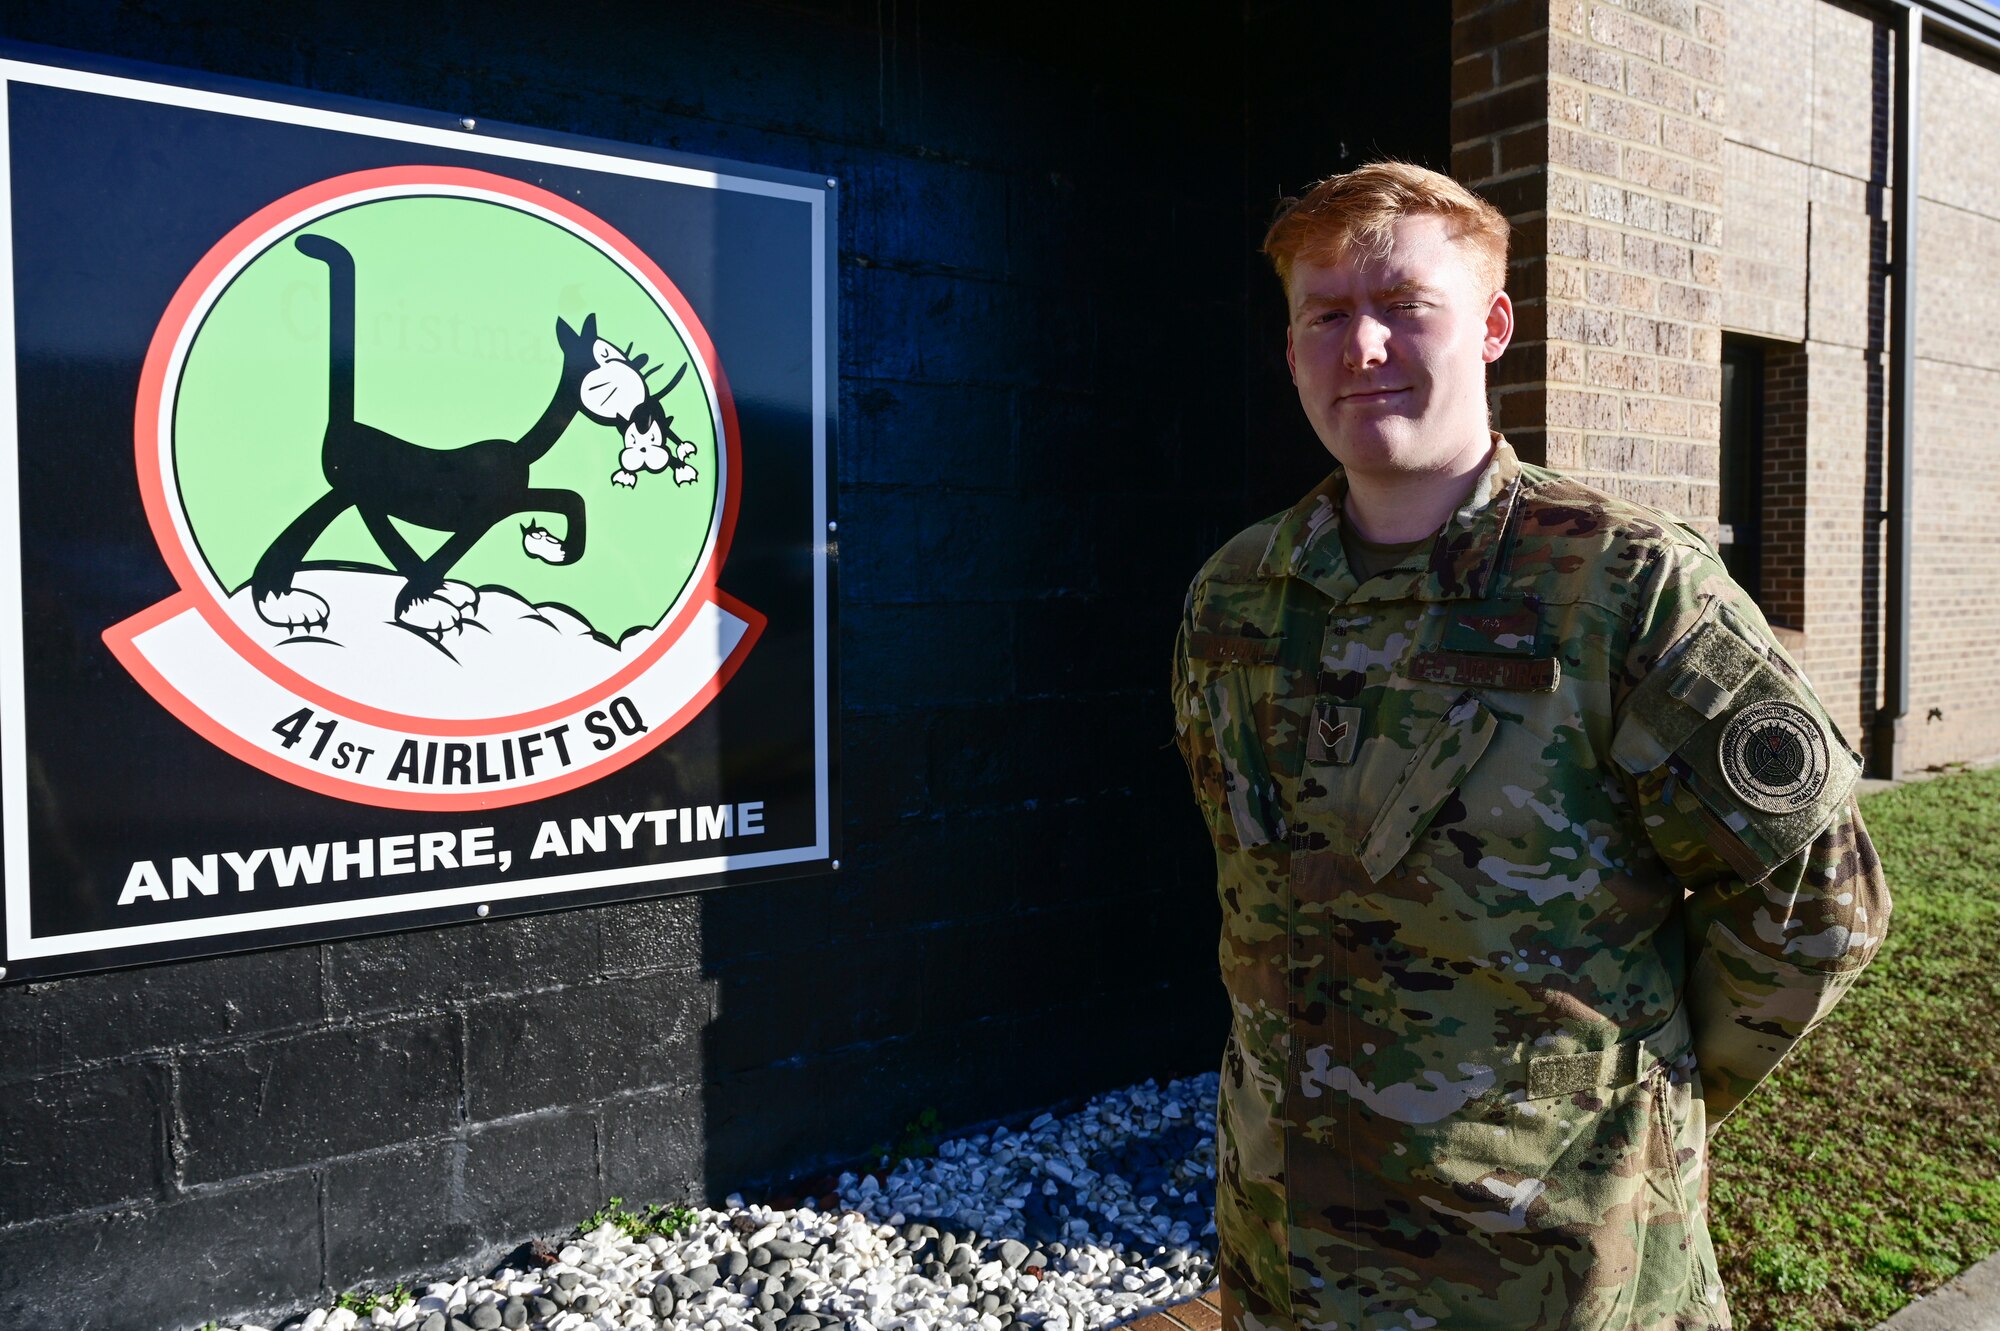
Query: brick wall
1810	91
1782	585
1047	255
1596	127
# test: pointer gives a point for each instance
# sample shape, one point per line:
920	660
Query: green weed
363	1302
667	1221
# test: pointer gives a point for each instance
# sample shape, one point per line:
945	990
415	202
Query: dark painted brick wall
1061	386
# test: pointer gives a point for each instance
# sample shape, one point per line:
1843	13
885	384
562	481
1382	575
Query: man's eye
1409	305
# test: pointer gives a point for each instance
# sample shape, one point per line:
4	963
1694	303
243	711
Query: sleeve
1194	734
1746	791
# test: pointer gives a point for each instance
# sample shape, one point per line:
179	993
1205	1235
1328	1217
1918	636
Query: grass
1864	1172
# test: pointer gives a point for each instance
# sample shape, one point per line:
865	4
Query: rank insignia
1335	732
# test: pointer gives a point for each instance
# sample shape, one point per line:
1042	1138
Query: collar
1306	544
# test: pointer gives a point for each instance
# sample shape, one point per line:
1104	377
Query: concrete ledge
1969	1303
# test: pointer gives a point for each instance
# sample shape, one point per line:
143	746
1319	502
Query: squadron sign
504	664
442	442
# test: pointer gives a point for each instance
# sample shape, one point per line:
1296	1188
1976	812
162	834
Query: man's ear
1499	327
1291	356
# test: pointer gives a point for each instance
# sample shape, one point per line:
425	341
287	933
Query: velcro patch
1527	674
1232	650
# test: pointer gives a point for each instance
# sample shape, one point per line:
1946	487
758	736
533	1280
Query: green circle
456	302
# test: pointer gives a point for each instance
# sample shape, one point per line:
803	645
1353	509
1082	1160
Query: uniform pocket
1247	791
1437	768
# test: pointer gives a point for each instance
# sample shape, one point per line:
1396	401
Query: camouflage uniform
1532	864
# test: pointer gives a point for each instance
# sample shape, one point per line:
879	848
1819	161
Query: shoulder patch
1753	743
1774	756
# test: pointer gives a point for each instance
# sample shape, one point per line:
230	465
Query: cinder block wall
1061	387
1596	126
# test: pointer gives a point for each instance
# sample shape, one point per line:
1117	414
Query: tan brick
1764	252
1566	280
1647	254
1771	82
1581	152
1676	14
1656	415
1580	410
1690	139
1566	101
1567	16
1711	24
1579	240
1697	60
1693	303
1618	454
1660	337
1580	323
1565	363
1621	118
1670	456
1624	291
1956	92
1649	83
1688	380
1610	369
1844	66
1704	420
1616	28
1655	171
1585	63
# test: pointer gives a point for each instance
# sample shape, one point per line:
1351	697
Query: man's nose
1367	342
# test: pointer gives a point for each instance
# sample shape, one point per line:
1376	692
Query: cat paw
624	478
460	595
541	543
432	615
292	610
685	451
685	474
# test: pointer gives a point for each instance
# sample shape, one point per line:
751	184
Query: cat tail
340	324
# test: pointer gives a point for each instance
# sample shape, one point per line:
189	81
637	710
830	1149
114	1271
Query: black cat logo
400	624
464	491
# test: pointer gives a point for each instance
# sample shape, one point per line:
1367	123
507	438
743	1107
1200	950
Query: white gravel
1077	1222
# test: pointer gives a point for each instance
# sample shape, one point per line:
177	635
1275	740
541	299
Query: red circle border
152	483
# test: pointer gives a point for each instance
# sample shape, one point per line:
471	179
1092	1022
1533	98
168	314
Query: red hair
1358	210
